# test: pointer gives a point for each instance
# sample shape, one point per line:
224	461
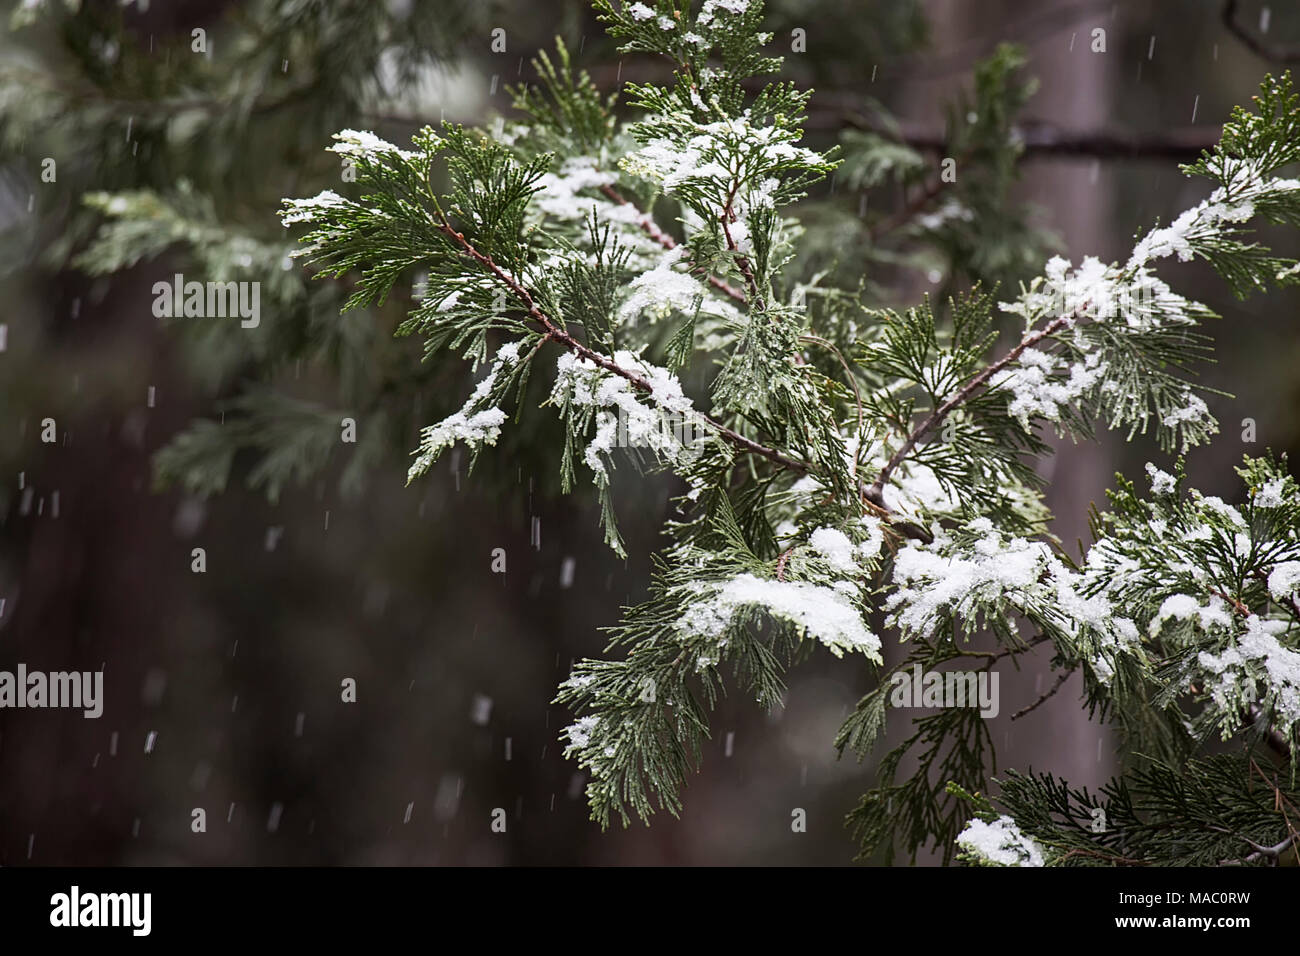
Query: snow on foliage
1000	843
818	612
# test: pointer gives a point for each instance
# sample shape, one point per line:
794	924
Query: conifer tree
851	474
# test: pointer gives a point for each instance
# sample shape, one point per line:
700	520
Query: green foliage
902	481
1224	809
952	747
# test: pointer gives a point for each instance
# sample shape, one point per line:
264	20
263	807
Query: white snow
1001	842
1102	293
472	425
1272	494
1222	508
1182	607
719	154
817	611
645	418
1207	220
1162	483
559	193
1192	412
1039	391
834	545
305	210
579	733
1258	655
363	144
663	289
711	8
1284	580
1090	289
932	583
875	539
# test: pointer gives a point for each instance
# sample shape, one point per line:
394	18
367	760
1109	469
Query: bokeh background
235	673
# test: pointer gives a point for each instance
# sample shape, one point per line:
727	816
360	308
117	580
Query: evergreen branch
767	559
559	335
651	229
1263	852
742	261
977	383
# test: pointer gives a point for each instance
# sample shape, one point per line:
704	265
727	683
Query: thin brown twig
1123	860
1237	606
780	563
742	262
993	656
1050	693
909	211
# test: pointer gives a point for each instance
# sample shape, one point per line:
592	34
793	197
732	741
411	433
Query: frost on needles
859	464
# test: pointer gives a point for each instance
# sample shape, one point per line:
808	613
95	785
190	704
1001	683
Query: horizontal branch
1040	140
1269	852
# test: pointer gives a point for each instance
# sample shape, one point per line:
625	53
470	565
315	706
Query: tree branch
909	211
1040	140
651	229
875	493
742	263
1050	693
561	336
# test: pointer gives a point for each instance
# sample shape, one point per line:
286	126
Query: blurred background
223	687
